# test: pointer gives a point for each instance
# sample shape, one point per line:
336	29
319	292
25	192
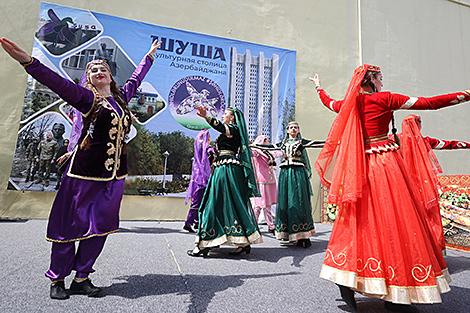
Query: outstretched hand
14	50
315	79
63	158
155	45
201	111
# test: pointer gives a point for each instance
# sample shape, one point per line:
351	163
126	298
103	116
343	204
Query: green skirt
225	214
294	210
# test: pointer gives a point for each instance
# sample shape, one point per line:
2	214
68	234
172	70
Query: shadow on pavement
272	254
201	288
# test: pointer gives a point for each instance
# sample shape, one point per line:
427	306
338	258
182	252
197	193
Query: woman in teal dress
225	214
294	221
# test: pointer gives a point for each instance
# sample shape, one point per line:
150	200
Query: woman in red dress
423	166
381	245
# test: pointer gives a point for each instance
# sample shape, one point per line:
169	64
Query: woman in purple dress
86	207
201	171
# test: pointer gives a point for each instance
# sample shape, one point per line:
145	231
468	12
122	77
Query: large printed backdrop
190	69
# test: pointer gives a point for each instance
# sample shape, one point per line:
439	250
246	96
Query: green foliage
148	186
181	149
143	154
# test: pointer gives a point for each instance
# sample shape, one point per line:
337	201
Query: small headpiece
293	123
372	68
96	62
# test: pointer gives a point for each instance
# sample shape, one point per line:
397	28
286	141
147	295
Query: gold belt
226	152
376	138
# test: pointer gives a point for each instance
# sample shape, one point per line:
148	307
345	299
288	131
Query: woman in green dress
225	214
294	221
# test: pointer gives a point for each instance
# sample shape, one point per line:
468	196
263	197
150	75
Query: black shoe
304	243
272	231
58	291
188	228
347	294
240	250
204	252
85	288
396	307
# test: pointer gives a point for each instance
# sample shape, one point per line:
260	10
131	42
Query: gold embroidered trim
341	255
369	265
81	238
383	148
118	148
254	238
70	174
112	133
115	119
80	280
226	152
295	236
227	131
421	273
377	287
112	148
226	161
108	165
376	138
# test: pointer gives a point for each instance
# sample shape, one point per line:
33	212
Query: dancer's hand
201	111
155	45
63	158
315	79
15	51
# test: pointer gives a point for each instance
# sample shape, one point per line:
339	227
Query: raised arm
439	144
76	95
313	143
267	147
402	102
133	83
330	103
219	126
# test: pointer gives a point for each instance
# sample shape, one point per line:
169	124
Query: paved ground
144	268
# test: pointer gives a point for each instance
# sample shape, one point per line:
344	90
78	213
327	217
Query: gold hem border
376	287
81	238
254	238
295	236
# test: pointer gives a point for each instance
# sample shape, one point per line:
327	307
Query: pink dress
263	165
265	178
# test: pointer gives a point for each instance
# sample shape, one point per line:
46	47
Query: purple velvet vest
105	157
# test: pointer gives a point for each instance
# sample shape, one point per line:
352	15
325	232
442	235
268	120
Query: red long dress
381	245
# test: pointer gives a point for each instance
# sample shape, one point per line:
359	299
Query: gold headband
373	68
96	62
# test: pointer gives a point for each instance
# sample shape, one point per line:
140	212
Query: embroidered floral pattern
112	149
112	133
339	260
108	164
420	272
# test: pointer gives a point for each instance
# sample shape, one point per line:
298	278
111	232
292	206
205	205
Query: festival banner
190	69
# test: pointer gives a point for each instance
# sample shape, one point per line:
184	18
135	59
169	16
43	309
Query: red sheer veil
341	163
420	160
